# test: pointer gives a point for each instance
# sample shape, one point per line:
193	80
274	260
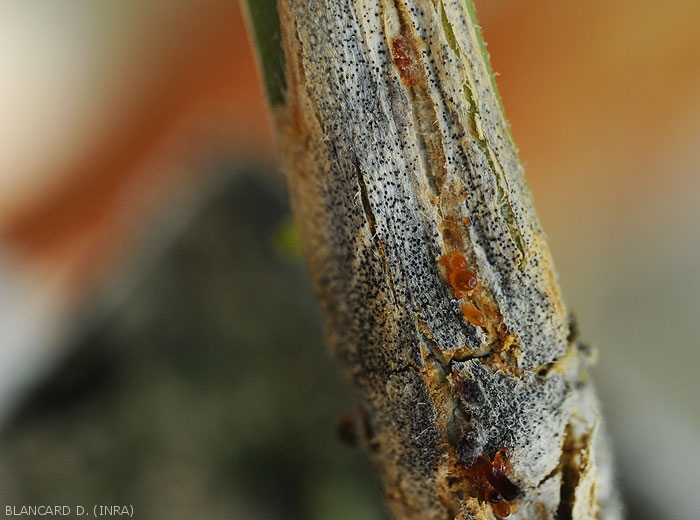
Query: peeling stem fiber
436	283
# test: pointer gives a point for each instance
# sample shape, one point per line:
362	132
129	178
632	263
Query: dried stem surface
434	276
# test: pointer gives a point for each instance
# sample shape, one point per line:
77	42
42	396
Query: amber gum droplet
494	497
502	509
458	261
501	461
464	280
403	61
473	315
501	483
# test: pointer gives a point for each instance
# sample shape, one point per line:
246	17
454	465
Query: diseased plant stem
408	189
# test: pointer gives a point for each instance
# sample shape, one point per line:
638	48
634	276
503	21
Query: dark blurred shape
86	375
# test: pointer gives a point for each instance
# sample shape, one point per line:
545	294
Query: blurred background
160	345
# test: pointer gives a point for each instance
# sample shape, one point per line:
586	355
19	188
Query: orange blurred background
112	111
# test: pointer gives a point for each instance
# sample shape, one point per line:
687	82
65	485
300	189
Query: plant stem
435	280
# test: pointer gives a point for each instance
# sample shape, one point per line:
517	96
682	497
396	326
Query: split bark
408	189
